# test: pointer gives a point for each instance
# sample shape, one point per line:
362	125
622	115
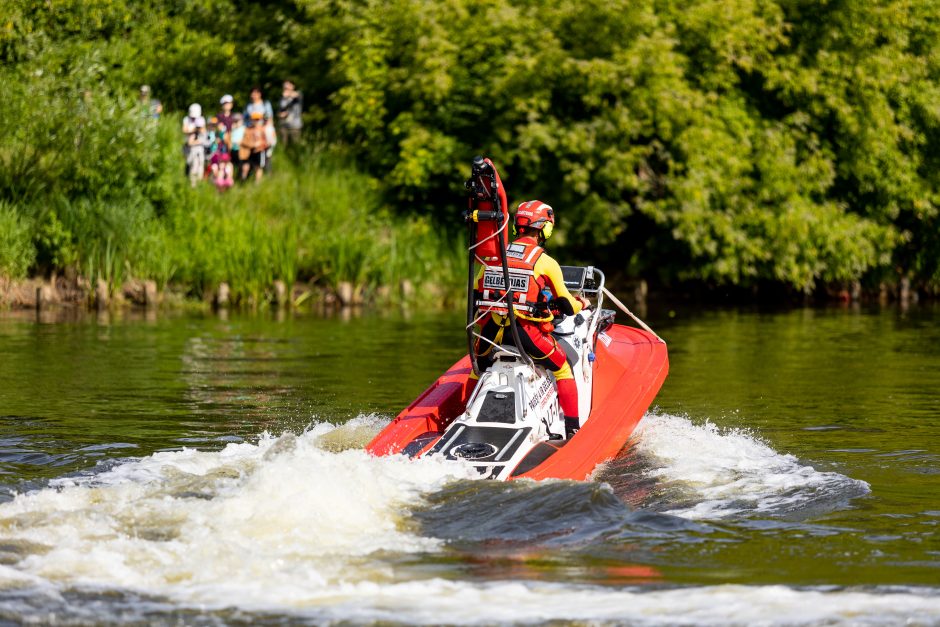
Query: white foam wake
308	526
715	473
272	520
437	601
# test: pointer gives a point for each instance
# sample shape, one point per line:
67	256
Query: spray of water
310	525
282	515
712	473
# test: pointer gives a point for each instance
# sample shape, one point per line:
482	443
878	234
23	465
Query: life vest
521	257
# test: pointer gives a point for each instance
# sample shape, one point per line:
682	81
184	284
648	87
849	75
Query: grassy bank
315	221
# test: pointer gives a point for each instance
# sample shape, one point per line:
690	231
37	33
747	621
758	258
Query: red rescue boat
509	426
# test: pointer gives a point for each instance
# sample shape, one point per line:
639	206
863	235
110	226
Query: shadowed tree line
723	142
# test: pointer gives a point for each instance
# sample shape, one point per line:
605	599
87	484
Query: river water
205	470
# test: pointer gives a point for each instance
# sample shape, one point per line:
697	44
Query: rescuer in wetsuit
536	280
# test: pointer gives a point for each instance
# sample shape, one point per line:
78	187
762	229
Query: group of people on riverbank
232	145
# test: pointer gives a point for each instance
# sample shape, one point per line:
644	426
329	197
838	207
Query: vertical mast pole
471	276
483	185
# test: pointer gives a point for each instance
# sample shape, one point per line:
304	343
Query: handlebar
482	216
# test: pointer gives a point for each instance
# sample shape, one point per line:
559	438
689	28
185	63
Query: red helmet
534	214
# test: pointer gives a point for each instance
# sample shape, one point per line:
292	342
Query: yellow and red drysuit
536	278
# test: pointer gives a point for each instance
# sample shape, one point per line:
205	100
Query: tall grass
316	220
17	251
107	236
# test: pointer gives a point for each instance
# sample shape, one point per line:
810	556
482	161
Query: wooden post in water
222	295
280	293
150	293
407	290
102	295
904	291
345	293
45	296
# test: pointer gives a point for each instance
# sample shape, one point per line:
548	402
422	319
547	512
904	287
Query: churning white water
309	525
724	472
278	521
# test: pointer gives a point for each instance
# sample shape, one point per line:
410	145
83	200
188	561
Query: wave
311	527
438	601
275	517
703	472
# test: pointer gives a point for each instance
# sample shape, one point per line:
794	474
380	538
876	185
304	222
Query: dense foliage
724	141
